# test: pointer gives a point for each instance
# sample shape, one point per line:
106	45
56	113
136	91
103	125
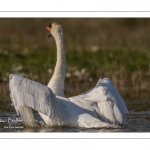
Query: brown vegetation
115	48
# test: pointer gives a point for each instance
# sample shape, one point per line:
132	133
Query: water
138	120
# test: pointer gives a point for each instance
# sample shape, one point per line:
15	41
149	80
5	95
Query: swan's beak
48	29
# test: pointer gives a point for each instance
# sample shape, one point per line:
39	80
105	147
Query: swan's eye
50	25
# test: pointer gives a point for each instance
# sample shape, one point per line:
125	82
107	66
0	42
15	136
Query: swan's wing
30	94
103	91
112	94
105	100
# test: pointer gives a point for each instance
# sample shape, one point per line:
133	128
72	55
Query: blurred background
115	48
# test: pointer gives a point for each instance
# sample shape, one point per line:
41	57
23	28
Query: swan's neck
57	81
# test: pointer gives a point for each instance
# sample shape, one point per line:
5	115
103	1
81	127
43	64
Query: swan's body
101	106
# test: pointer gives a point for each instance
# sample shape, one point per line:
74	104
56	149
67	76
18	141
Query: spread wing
26	94
105	100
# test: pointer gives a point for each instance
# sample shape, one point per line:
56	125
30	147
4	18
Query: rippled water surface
138	120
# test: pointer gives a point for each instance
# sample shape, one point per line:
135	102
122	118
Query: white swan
101	106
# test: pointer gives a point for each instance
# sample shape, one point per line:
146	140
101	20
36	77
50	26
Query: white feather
60	111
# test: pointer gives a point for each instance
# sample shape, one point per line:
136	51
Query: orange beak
48	28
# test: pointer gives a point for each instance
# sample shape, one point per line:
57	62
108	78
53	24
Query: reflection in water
138	120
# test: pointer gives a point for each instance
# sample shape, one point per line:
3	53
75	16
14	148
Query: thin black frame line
75	11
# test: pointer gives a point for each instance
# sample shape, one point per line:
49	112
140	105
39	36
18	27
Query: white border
74	8
98	8
66	144
75	5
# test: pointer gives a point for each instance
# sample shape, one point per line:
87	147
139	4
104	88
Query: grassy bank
114	48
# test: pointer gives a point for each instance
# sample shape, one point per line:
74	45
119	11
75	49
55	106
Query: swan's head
55	29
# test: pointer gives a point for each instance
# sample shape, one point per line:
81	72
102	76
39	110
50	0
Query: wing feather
28	93
109	103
